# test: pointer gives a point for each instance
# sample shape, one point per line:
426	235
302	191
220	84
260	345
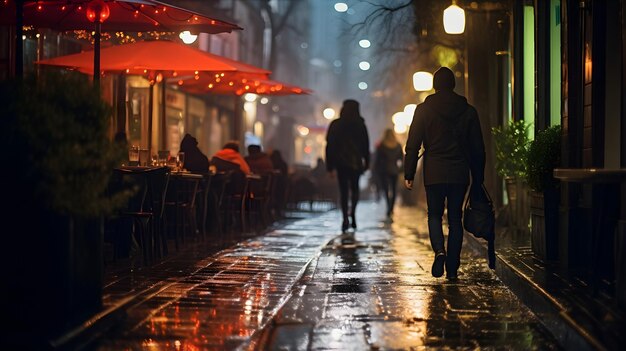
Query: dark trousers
389	183
348	185
436	196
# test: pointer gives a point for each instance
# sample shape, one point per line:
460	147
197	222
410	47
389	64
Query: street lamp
423	81
329	113
97	12
364	43
454	19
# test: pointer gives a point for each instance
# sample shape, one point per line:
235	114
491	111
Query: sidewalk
305	286
579	318
373	290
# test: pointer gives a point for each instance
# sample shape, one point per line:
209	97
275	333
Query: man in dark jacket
449	129
347	151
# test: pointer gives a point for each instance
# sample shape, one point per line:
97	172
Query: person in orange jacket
230	153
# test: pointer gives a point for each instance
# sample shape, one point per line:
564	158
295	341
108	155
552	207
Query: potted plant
511	147
59	161
543	156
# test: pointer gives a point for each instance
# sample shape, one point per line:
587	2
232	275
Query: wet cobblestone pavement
306	287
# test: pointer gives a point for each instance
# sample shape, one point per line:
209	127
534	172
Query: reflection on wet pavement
227	298
373	290
305	287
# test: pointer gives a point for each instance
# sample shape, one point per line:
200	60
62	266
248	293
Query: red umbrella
123	15
150	57
104	15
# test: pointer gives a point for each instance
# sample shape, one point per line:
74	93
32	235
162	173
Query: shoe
452	277
440	260
345	225
353	222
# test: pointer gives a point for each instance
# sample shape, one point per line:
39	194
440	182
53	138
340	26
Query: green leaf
511	148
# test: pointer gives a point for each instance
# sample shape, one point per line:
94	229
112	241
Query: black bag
479	219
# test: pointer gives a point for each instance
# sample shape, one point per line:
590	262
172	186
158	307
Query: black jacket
195	160
450	130
388	160
347	145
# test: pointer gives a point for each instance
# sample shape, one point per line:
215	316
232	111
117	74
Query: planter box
518	207
544	217
56	275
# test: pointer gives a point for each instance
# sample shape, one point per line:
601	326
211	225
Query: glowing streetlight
302	130
423	81
454	19
364	43
397	118
329	113
341	7
362	85
410	109
400	128
187	37
250	97
364	65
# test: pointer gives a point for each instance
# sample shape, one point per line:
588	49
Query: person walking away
387	165
347	152
195	160
449	129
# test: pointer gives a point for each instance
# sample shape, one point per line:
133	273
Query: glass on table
181	160
144	157
133	155
172	162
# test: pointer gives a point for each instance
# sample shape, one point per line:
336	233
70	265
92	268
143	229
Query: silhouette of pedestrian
347	152
387	165
449	129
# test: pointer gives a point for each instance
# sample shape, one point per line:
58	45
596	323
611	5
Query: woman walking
388	163
347	151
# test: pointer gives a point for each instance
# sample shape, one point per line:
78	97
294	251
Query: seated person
228	156
278	162
258	160
195	160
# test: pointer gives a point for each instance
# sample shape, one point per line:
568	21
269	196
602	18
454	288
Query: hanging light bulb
454	19
187	37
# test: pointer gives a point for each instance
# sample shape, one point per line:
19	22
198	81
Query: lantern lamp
454	19
423	81
97	11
